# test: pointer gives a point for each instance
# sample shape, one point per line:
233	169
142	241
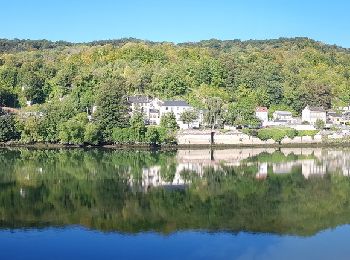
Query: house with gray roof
282	115
147	105
312	114
177	107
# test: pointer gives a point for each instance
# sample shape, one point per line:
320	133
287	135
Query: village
315	125
154	108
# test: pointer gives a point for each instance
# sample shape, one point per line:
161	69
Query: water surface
190	204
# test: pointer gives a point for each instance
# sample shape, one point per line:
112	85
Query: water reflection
307	161
288	191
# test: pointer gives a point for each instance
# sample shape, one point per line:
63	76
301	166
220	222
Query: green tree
137	125
8	129
92	134
214	113
276	134
188	117
112	108
32	129
152	135
73	131
319	124
168	121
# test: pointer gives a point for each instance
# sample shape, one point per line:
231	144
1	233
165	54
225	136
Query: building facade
148	106
312	114
178	107
153	109
283	115
262	113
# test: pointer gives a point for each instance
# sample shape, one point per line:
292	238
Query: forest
63	81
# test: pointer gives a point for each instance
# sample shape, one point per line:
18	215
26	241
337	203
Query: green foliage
112	105
8	129
242	115
92	134
168	121
123	136
152	135
73	131
32	130
307	132
137	126
276	134
320	124
54	115
166	135
227	78
188	117
214	114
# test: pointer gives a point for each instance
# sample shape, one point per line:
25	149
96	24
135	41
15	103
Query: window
166	108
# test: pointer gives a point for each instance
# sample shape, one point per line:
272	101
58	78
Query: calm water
186	204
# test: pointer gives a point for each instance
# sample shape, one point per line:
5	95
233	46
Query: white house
262	114
334	118
178	107
312	114
148	106
282	115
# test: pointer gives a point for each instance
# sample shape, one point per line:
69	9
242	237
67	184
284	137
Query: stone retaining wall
197	137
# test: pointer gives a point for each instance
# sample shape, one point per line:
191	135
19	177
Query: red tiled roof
261	109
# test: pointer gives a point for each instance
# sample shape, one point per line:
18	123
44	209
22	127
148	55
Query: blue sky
176	20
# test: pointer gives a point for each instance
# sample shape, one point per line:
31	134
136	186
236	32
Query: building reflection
311	162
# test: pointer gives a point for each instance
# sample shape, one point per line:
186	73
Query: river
251	203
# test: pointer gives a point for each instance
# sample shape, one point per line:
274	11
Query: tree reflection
128	191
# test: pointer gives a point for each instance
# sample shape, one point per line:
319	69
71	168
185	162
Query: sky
176	20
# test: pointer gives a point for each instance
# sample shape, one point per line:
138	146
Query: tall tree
214	111
137	125
112	107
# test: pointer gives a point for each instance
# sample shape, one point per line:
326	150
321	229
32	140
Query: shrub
276	134
31	130
8	129
307	132
121	135
92	134
152	135
73	130
320	124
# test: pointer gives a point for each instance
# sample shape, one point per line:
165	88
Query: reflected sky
84	244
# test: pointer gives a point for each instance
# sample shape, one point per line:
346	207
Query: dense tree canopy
281	73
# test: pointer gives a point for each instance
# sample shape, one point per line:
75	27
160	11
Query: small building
312	114
178	107
334	118
148	106
346	118
154	116
139	103
282	115
262	114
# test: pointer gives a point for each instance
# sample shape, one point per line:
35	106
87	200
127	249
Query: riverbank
339	143
198	139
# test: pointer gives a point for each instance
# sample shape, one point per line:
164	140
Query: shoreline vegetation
325	144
